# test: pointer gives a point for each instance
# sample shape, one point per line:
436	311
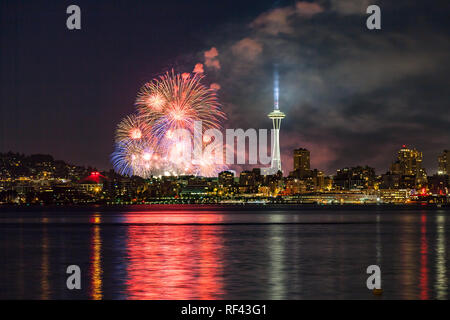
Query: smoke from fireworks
145	142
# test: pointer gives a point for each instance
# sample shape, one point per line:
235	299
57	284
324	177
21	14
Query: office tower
444	163
302	161
409	162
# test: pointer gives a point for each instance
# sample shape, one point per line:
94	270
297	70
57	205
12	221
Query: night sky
352	96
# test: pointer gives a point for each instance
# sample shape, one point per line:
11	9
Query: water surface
215	254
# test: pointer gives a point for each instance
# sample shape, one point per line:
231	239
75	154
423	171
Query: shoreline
221	207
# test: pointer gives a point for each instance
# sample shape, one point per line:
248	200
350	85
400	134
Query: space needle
276	116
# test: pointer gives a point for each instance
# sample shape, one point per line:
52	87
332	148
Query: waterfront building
354	178
226	179
439	184
395	195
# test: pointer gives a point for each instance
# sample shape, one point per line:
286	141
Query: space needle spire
276	88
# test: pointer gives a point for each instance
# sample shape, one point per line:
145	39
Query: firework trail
145	143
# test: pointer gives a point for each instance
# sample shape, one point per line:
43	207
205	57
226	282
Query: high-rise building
409	167
302	161
409	162
444	163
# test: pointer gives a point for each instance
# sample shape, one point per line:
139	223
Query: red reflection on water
174	261
173	217
423	259
210	267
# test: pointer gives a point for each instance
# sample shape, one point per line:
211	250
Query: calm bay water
216	254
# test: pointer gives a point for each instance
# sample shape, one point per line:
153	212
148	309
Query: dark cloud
351	95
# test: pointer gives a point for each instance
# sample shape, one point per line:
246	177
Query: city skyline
301	160
39	179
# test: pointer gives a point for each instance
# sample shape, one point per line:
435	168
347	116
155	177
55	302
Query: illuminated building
301	162
409	162
276	116
275	183
394	195
226	183
444	163
317	180
226	179
354	178
334	198
409	166
192	190
259	179
295	186
312	180
439	184
390	181
246	182
90	187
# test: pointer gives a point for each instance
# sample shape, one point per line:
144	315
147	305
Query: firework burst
131	128
175	101
145	143
134	158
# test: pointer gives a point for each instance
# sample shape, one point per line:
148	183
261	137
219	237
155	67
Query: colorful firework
175	101
131	128
132	158
146	144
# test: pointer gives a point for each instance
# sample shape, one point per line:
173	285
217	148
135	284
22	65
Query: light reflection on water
224	255
96	259
423	258
441	282
174	263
